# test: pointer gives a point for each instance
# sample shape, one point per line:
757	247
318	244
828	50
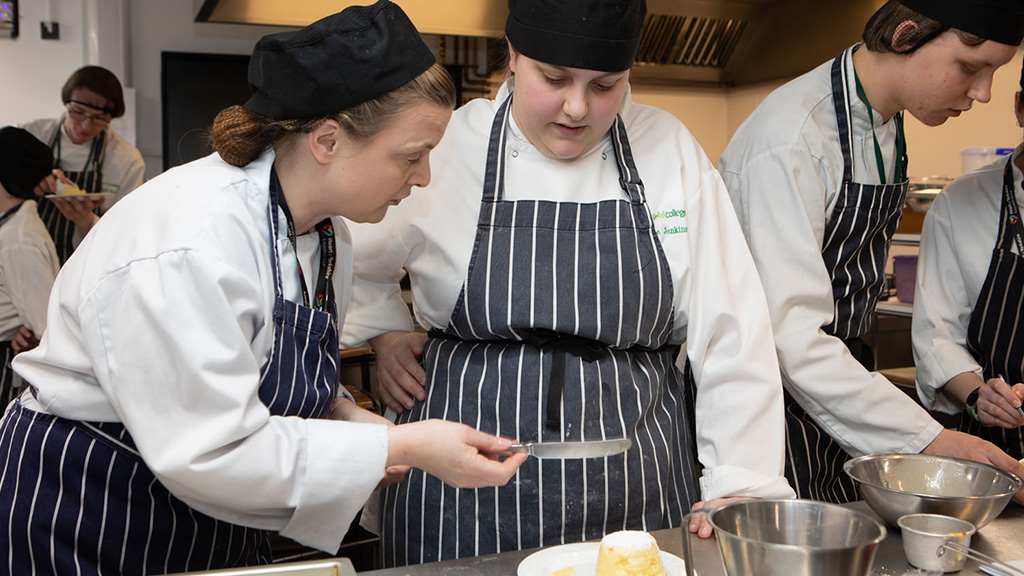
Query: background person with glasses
89	153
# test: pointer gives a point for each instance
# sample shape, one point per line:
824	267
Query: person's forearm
960	386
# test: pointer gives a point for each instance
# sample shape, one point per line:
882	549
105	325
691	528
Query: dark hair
879	31
101	81
240	135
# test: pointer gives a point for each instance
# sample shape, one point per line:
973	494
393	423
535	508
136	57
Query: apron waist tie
562	344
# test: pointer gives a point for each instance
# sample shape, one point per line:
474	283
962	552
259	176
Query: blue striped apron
559	333
89	179
856	245
994	335
8	391
77	498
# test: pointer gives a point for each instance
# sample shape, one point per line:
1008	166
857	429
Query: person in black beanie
968	350
583	277
185	396
28	260
818	177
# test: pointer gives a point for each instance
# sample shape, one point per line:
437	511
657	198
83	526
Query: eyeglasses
78	114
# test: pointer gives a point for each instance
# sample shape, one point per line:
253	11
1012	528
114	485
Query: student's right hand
400	378
961	445
460	456
998	402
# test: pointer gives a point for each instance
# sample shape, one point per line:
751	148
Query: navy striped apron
995	335
559	333
78	499
89	179
856	245
8	391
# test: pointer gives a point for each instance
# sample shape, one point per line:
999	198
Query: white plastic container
973	158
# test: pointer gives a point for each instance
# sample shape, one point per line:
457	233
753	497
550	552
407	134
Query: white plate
582	557
107	195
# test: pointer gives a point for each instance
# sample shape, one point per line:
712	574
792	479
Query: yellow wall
703	111
713	115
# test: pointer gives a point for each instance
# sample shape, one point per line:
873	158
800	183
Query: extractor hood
685	42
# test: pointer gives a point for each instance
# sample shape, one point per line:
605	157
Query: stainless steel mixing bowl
795	538
895	485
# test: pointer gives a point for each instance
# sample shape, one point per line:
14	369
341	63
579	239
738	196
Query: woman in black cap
89	153
572	240
968	346
818	176
28	261
184	398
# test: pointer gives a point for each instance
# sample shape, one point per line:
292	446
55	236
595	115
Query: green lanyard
901	139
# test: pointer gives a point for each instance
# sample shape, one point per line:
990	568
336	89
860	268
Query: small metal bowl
924	536
895	485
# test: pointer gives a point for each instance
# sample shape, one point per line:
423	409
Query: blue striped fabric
7	377
90	179
596	271
995	334
859	230
77	498
858	233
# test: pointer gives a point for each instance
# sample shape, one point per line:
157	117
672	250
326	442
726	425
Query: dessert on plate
629	553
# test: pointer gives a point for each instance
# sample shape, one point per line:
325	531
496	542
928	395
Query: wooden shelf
906	239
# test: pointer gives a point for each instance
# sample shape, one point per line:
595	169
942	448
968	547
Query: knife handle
516	449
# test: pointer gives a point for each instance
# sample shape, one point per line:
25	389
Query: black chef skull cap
598	35
336	63
998	20
24	162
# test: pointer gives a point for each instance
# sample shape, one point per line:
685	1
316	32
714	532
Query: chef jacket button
515	153
604	155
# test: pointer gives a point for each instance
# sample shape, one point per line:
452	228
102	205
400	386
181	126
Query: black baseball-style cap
336	63
593	34
998	20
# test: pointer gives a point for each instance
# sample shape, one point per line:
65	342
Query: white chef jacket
720	312
783	169
957	240
28	265
162	319
123	167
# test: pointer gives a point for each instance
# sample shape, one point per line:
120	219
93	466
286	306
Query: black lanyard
325	230
9	213
1012	212
901	139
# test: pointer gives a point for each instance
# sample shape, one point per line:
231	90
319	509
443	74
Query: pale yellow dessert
68	189
629	553
567	571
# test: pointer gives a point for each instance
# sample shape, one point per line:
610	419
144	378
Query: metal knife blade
564	450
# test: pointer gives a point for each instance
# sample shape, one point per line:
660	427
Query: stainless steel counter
1003	538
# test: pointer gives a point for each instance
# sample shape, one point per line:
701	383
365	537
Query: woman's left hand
699	522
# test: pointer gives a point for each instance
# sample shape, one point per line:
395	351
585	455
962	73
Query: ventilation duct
684	42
